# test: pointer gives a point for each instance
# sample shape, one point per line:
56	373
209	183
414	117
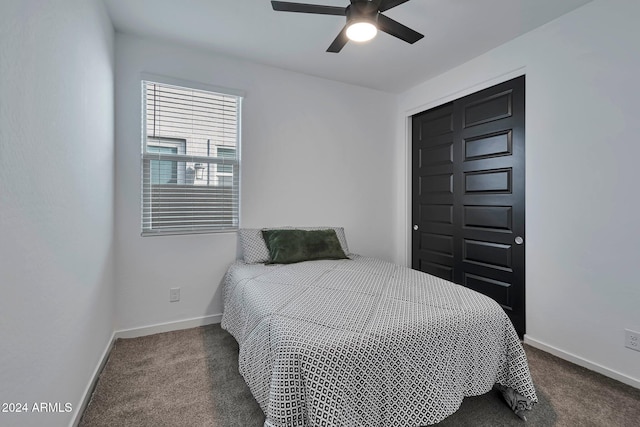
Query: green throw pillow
290	245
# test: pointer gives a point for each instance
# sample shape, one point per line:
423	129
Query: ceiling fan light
361	31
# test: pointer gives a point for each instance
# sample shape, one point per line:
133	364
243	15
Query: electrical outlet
174	294
632	340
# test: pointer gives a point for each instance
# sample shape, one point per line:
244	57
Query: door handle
415	227
519	240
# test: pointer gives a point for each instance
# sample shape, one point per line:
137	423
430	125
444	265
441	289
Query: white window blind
190	160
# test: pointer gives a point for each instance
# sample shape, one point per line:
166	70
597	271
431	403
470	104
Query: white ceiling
455	32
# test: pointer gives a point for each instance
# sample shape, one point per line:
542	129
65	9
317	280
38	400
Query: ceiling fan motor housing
362	11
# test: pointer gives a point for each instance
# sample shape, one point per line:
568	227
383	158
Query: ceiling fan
364	19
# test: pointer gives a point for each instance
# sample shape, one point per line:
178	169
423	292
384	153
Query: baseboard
169	326
582	362
86	397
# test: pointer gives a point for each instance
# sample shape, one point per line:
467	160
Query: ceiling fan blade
339	41
398	30
388	4
283	6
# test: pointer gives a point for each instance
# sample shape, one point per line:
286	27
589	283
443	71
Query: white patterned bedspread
364	342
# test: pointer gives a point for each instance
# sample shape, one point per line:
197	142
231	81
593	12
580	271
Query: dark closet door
468	194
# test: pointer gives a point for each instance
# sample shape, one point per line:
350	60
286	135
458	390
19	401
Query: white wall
56	202
314	152
582	202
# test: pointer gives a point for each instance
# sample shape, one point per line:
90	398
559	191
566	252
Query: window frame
194	160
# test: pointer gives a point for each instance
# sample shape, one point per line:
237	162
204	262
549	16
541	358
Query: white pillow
254	249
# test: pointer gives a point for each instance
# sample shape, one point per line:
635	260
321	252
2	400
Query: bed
360	341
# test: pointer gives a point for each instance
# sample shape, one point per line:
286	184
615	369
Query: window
225	170
190	159
165	171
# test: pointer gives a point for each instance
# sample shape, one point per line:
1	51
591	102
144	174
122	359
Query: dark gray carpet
190	378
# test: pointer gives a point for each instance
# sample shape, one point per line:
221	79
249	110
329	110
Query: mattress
365	342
